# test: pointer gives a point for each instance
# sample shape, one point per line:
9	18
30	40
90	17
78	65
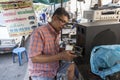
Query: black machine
96	33
92	34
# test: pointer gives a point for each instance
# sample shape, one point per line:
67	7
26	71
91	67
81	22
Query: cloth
44	40
41	78
61	73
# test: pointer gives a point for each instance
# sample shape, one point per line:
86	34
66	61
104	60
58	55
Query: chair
19	51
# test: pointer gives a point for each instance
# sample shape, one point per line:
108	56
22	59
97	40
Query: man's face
59	22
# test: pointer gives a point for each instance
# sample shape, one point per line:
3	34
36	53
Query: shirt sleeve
36	44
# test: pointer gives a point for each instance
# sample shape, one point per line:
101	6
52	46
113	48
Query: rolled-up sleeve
36	44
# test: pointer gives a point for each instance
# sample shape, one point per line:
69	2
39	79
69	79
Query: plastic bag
105	60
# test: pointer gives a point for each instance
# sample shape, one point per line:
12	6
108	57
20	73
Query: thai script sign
19	17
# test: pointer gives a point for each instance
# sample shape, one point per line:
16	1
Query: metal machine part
93	34
77	50
103	15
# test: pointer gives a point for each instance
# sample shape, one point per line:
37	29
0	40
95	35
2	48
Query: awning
49	1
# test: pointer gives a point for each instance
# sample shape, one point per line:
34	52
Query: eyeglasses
63	21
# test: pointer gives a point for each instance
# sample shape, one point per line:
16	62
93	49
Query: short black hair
61	11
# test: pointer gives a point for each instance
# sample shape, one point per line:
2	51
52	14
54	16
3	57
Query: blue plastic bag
105	60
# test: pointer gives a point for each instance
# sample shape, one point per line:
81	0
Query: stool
19	51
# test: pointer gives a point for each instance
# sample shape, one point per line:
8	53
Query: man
44	17
44	52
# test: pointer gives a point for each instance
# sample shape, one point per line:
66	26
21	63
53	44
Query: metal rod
61	3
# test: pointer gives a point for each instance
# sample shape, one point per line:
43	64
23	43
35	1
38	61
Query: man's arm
65	55
45	58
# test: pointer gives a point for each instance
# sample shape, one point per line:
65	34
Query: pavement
10	70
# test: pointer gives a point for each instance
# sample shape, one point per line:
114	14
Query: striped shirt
44	40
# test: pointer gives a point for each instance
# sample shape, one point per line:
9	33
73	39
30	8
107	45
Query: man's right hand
67	55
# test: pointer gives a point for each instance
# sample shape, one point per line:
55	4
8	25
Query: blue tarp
105	60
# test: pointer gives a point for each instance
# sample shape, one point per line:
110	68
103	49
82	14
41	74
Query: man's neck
53	26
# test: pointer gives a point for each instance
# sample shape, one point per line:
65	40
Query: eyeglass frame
63	21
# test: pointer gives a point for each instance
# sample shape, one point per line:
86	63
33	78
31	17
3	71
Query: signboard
19	17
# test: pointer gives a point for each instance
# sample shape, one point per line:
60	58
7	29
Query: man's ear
54	17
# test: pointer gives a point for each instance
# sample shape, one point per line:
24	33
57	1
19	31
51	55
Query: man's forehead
62	16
